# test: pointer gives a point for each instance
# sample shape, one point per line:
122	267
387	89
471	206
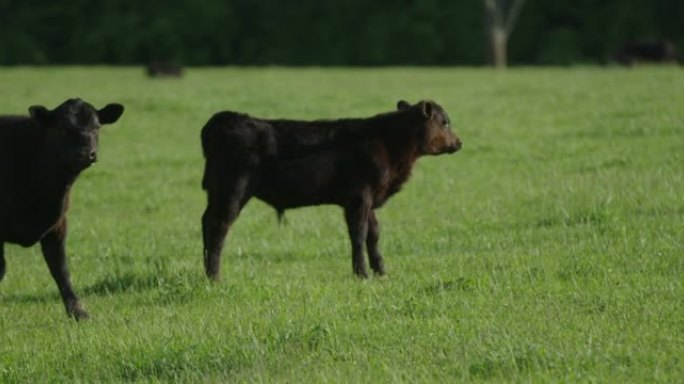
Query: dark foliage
310	32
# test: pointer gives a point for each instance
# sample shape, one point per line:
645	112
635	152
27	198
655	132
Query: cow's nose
93	157
458	145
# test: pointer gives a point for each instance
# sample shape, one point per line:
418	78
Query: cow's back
237	136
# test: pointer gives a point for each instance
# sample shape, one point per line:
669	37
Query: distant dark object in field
40	158
354	163
164	69
647	52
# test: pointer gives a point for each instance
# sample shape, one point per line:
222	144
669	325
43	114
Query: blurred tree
500	17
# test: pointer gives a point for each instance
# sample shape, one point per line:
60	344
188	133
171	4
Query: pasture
551	248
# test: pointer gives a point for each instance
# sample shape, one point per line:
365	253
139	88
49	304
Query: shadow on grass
599	218
28	298
460	284
510	364
124	283
174	363
167	285
164	282
271	257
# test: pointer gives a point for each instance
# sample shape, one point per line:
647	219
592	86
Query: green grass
550	249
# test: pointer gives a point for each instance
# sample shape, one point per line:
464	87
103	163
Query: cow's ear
110	113
427	108
40	114
402	105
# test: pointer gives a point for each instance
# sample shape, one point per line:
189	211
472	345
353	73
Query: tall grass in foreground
549	249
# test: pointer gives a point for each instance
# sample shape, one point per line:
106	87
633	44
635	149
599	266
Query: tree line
333	32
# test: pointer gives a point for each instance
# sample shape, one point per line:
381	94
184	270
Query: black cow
163	69
40	158
354	163
647	52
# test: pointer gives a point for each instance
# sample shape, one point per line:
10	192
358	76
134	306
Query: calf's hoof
77	313
213	276
361	273
212	268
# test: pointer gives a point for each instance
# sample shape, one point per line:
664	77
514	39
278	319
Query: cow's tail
281	216
205	177
2	263
207	152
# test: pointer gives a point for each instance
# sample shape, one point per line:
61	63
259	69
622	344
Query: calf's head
72	130
435	135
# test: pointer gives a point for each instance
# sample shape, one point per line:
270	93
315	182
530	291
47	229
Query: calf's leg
374	255
356	214
54	253
225	200
2	260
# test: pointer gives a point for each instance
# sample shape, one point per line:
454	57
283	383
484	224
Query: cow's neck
42	198
51	182
400	141
401	165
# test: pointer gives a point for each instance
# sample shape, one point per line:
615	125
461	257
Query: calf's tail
206	152
2	263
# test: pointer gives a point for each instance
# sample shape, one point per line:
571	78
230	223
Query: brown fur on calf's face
436	135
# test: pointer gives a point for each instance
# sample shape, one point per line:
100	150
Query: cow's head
435	133
72	130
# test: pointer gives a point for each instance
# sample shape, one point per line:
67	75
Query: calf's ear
428	108
402	105
110	113
40	114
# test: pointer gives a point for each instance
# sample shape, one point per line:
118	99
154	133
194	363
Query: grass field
551	248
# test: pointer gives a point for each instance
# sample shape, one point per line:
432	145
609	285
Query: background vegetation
548	250
312	32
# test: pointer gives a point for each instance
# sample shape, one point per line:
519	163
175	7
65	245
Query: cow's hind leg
54	253
2	261
226	197
374	255
356	214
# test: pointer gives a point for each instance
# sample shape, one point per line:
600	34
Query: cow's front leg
2	260
53	246
356	214
225	200
374	255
